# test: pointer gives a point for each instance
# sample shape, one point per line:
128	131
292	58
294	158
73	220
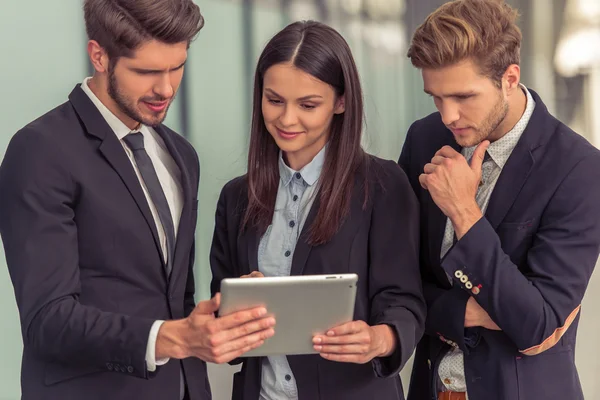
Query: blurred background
43	56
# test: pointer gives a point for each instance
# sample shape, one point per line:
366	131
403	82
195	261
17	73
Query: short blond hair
482	30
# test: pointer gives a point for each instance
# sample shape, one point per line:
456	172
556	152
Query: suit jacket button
130	369
458	273
475	290
469	285
109	366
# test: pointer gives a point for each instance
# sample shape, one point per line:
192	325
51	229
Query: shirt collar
502	148
120	129
310	173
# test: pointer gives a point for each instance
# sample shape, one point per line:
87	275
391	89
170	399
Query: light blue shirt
295	196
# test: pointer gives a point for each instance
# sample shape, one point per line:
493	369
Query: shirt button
288	377
447	381
298	176
295	197
288	253
292	224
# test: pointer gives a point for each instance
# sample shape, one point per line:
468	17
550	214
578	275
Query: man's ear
98	56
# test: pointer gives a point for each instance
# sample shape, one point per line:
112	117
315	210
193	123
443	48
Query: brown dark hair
320	51
482	30
121	26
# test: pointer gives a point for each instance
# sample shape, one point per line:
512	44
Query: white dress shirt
169	177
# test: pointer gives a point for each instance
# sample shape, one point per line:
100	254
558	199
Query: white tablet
303	306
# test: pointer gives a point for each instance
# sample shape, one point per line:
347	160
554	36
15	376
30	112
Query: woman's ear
340	105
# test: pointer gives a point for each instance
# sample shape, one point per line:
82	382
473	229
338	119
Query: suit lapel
540	128
511	180
112	150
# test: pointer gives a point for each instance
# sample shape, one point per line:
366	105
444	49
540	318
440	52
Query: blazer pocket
56	373
548	376
520	228
517	238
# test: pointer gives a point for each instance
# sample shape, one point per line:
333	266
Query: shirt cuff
151	361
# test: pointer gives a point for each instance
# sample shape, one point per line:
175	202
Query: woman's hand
356	342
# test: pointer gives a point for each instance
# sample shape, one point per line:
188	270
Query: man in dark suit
509	216
97	217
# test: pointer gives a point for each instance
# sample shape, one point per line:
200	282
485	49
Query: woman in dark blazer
313	202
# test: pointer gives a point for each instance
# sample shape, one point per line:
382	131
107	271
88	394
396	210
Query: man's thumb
209	306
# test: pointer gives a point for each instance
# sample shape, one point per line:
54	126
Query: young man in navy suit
510	217
97	216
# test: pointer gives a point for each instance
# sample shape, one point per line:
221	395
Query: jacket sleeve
221	259
536	308
445	307
394	281
39	232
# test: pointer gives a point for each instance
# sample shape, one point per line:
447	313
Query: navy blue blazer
529	258
84	258
379	242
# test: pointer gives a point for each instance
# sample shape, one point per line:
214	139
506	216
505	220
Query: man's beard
489	125
129	107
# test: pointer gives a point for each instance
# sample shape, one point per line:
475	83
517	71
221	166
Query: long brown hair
320	51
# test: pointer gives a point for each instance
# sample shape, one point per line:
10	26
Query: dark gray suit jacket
529	260
380	243
84	258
